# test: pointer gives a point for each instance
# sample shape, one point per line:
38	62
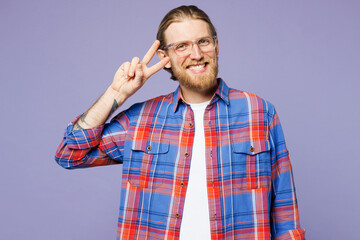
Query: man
205	161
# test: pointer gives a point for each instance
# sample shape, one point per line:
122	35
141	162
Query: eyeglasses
184	48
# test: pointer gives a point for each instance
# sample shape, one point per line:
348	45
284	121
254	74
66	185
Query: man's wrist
120	98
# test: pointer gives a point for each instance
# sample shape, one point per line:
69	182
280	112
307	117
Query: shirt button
182	184
149	148
177	215
186	154
190	125
252	149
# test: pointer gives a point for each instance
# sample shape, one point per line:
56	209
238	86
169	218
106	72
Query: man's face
198	70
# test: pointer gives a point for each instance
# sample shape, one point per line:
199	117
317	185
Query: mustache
196	63
201	61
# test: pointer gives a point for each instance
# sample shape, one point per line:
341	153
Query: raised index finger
151	52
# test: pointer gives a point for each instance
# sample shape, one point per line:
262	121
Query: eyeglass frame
214	37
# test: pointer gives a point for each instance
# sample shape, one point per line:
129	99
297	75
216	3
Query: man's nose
196	53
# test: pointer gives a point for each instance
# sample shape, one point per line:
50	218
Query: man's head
178	15
198	68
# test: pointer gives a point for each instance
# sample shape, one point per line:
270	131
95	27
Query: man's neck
197	96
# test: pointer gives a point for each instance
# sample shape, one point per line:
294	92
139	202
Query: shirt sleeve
99	146
284	211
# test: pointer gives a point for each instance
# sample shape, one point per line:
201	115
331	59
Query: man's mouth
197	67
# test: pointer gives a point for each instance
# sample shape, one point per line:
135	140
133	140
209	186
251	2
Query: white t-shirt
196	222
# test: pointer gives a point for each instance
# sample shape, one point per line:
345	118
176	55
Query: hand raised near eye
131	76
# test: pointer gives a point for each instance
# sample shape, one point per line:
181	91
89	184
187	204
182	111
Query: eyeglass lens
205	44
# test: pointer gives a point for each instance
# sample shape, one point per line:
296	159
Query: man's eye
181	47
204	42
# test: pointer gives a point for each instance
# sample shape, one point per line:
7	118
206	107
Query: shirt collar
222	92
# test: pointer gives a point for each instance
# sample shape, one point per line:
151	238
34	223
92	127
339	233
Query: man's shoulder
246	101
151	105
235	94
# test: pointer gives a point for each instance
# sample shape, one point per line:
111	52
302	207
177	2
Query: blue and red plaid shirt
250	186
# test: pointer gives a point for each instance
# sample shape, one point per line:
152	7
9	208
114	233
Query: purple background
58	57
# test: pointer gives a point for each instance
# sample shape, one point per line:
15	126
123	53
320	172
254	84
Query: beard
202	82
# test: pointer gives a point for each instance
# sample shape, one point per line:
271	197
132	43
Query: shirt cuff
295	234
82	138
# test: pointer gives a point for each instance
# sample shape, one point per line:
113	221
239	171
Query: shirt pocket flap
151	147
251	147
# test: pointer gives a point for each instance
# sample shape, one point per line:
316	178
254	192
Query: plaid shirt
250	186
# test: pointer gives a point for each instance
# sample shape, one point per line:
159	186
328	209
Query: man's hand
130	77
127	80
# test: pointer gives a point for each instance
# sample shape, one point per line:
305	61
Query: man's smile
197	68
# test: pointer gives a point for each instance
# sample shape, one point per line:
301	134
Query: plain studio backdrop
58	57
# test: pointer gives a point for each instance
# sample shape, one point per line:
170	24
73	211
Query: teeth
197	67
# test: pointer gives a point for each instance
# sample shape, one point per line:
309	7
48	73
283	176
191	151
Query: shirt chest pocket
251	164
146	163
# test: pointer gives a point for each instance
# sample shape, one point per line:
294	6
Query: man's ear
217	46
161	54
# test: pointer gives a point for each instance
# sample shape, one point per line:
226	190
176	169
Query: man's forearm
101	110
